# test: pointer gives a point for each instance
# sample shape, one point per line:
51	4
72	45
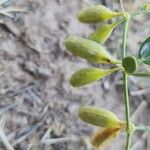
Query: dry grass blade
46	135
139	110
89	2
2	120
3	136
3	1
60	140
140	92
6	108
9	10
122	7
140	143
13	9
28	133
148	141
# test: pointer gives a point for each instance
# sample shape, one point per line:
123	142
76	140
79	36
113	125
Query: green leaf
103	32
89	50
96	14
144	52
130	64
89	75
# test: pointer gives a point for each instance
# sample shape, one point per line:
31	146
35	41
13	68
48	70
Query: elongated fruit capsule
102	33
100	117
88	75
96	14
102	137
89	50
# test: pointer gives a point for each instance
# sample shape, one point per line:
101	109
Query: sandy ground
40	107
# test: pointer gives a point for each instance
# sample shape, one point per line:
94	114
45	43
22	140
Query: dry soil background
36	99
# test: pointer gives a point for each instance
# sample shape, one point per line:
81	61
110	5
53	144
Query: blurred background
38	107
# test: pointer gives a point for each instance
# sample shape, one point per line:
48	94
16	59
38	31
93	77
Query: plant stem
125	85
141	74
143	128
124	38
127	110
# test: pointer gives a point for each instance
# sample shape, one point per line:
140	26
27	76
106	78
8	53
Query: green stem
127	110
125	85
141	74
124	41
143	128
118	22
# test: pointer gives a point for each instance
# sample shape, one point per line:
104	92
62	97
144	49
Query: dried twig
139	143
46	135
140	92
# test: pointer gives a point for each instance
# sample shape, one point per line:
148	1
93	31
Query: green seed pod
89	75
103	136
89	50
102	33
96	14
130	64
100	117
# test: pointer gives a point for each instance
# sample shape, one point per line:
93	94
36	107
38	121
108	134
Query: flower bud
89	50
89	75
96	14
103	32
100	117
102	137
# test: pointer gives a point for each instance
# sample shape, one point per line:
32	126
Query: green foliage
92	50
144	52
130	64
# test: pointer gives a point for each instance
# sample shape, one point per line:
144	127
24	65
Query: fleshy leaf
96	14
144	52
89	50
89	75
130	64
100	117
103	32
